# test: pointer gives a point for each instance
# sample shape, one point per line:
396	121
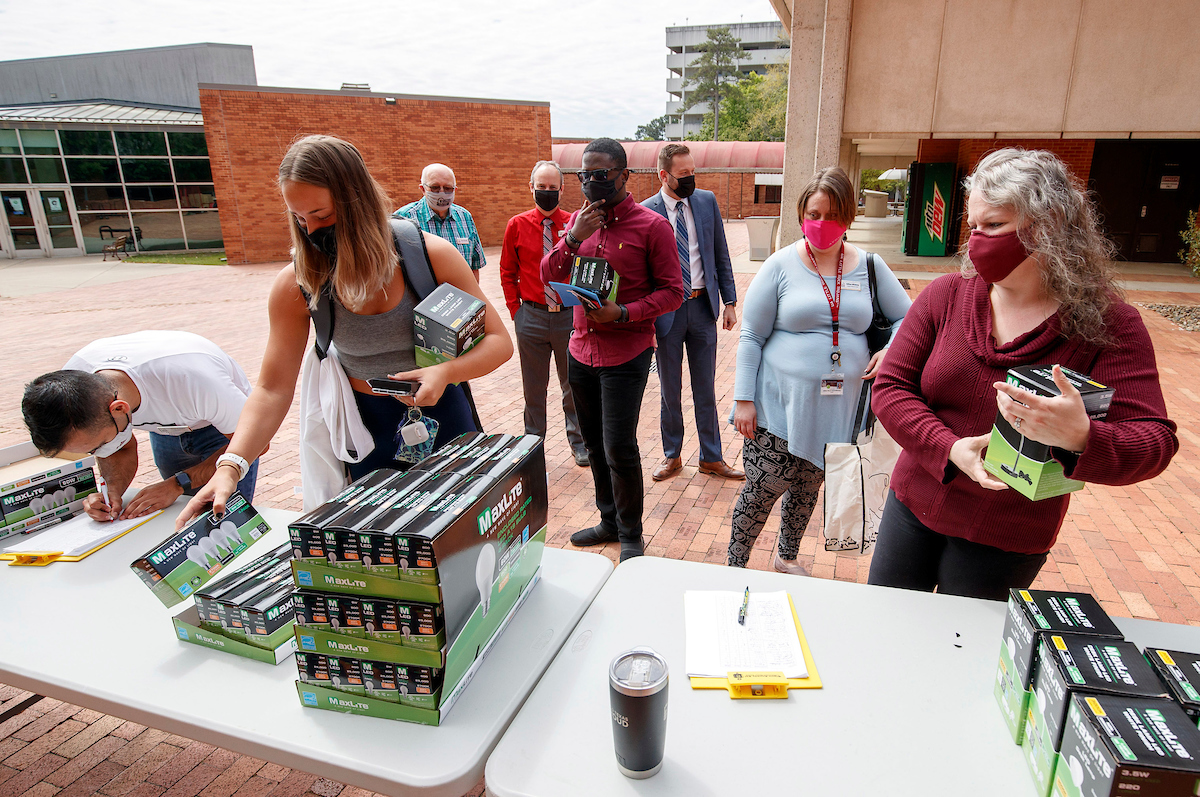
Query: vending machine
933	211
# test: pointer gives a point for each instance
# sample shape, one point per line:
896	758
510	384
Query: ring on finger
1017	423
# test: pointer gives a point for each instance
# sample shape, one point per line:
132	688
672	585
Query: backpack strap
876	310
322	318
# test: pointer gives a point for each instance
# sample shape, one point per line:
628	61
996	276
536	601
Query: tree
755	109
713	73
654	130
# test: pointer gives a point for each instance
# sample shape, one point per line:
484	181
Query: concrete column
835	53
804	103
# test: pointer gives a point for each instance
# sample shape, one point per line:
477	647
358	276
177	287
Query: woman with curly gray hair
1036	288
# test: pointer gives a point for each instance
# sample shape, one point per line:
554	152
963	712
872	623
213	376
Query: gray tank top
371	346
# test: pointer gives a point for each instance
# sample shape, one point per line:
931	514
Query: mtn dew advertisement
933	240
179	565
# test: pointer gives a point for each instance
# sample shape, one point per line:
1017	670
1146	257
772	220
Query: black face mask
546	200
325	241
600	190
684	186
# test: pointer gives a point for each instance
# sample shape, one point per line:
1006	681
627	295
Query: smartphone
393	387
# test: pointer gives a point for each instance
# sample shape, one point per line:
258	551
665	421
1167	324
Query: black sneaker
630	549
581	458
596	535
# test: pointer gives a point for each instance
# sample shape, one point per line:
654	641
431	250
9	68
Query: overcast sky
601	65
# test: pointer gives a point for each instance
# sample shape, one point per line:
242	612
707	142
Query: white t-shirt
186	381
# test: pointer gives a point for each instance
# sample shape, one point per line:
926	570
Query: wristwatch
243	467
624	319
184	480
572	241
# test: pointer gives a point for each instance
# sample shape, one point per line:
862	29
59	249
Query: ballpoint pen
103	485
745	605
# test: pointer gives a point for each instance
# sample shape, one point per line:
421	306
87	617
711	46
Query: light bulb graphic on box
485	570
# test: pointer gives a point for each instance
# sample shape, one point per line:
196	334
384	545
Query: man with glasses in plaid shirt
542	325
436	213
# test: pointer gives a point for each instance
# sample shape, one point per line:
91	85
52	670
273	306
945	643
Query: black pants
910	555
608	401
383	416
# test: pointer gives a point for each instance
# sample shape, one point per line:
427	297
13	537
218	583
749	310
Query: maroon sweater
936	386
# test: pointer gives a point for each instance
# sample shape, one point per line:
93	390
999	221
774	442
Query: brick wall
734	192
490	146
1076	153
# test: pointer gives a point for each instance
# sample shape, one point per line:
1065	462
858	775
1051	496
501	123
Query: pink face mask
995	256
823	233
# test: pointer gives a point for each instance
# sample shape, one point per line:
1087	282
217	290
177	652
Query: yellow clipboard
813	681
43	558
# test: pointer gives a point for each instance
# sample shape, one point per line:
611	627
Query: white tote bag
857	478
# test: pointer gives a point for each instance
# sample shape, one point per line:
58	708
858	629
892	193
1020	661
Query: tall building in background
763	43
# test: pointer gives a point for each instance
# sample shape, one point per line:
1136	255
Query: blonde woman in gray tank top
341	238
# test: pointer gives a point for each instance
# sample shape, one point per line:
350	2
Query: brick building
490	144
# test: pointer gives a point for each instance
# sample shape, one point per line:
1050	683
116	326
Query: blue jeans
383	416
173	454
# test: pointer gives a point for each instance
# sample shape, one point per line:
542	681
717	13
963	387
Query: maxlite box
596	275
446	323
36	491
1127	745
185	561
1070	664
1181	673
1031	614
1027	466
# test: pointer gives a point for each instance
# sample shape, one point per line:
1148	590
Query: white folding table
906	708
92	634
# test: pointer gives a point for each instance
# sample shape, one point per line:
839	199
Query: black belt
546	307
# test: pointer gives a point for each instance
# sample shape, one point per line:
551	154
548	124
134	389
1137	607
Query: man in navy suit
707	284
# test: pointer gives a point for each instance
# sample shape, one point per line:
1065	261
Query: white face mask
118	442
438	200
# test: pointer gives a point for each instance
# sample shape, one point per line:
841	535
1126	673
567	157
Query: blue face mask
324	240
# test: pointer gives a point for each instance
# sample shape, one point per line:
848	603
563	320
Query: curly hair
1057	221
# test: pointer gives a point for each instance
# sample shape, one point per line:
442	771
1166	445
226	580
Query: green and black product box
472	458
342	533
229	603
345	615
1181	673
1117	745
311	609
446	323
1070	664
1027	466
206	598
394	683
596	275
305	532
384	619
61	487
188	559
188	629
464	442
268	615
1032	613
483	537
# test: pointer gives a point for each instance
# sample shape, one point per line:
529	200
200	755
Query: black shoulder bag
879	333
418	273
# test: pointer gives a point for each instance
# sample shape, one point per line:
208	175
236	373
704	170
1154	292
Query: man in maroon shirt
542	326
611	347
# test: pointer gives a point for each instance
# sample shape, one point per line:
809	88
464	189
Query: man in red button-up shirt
611	347
542	324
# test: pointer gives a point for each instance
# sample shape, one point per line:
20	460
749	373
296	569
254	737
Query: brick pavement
1135	548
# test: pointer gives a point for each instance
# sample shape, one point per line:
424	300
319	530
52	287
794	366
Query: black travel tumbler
637	691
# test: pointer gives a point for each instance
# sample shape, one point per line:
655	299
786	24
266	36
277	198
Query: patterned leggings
771	472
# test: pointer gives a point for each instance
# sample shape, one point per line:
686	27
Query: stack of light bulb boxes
37	492
405	579
1092	715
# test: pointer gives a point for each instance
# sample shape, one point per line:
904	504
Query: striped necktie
547	238
681	243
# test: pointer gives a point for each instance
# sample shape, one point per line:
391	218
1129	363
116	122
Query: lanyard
835	298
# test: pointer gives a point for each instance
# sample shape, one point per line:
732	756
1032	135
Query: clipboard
43	558
572	295
742	690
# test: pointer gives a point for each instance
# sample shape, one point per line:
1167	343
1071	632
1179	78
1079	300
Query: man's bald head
437	176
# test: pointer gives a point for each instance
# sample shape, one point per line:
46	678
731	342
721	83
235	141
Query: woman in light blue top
799	374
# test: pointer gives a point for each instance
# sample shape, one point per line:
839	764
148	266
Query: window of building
98	197
192	171
12	170
101	228
159	197
87	142
158	231
39	142
197	196
768	194
203	229
46	170
93	170
188	144
146	170
141	143
8	143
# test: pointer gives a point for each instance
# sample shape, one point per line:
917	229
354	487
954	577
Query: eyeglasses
595	174
440	189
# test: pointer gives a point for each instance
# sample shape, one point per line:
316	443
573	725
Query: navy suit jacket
714	251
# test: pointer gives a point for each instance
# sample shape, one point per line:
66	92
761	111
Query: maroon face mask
995	256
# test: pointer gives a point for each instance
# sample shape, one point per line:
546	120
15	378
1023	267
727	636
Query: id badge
832	384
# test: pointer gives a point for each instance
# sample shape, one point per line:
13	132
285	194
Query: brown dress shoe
667	468
719	468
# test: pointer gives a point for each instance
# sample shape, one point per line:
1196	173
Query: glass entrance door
38	223
24	240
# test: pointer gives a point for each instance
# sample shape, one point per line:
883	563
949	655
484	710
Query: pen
104	493
745	605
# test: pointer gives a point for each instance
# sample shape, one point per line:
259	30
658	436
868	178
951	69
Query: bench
116	247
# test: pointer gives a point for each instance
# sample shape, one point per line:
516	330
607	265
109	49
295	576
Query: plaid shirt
458	228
